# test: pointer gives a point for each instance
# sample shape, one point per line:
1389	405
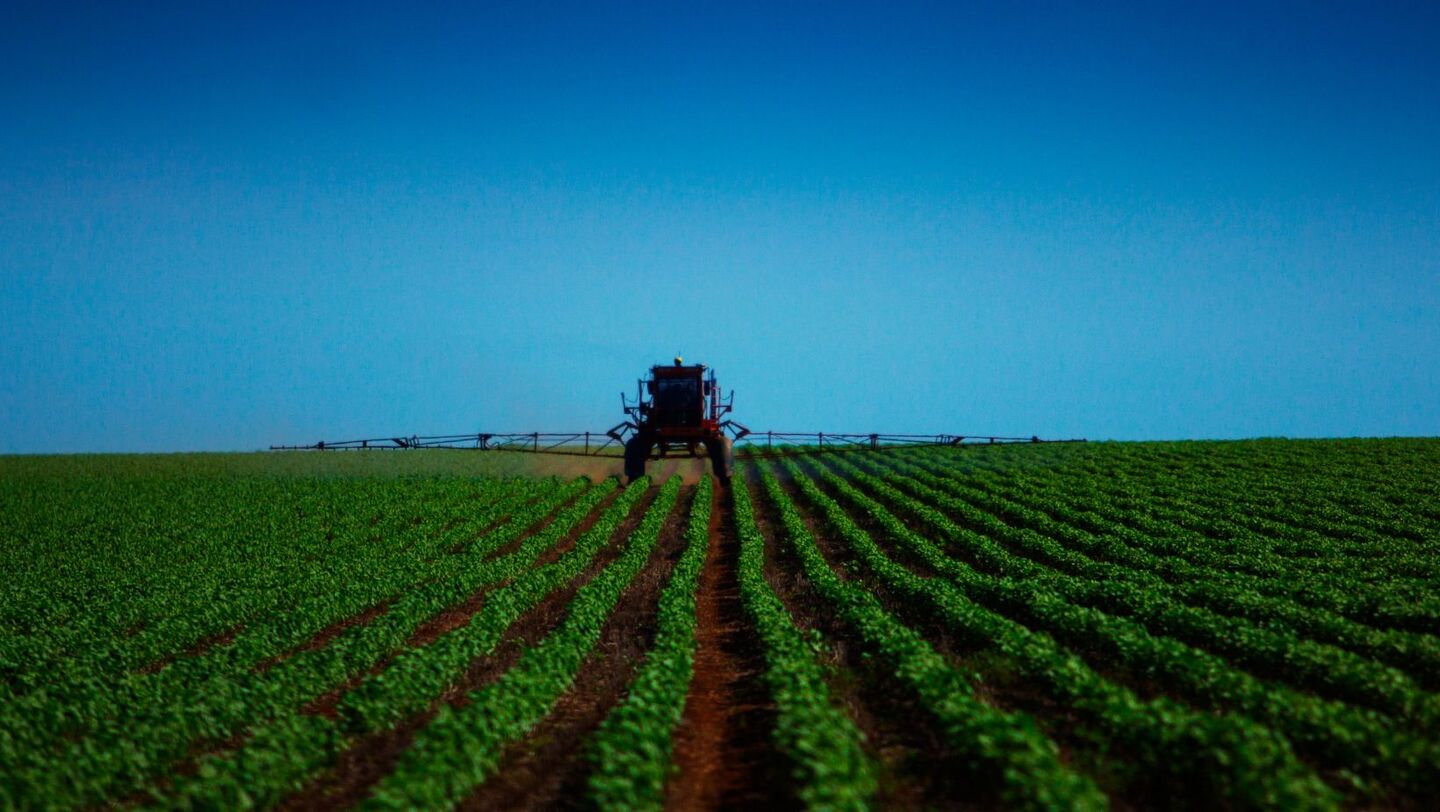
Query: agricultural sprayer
678	411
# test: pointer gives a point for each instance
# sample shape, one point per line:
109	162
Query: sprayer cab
677	411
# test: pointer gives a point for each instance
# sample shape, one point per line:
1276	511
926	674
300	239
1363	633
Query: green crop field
1240	624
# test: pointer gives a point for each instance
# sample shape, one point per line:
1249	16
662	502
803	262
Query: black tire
722	458
637	451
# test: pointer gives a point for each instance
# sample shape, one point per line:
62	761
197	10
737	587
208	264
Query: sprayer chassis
677	411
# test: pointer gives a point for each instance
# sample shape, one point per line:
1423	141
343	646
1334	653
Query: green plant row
414	687
1305	528
828	761
462	746
1320	494
235	550
205	703
336	587
1290	526
1120	589
1364	474
1233	760
85	728
1229	547
1208	585
1363	747
1379	484
417	675
631	751
1295	535
1003	750
1418	654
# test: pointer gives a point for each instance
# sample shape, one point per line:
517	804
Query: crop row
463	745
829	764
1322	490
1225	593
631	751
290	746
1187	555
1338	735
135	733
1083	573
992	746
1381	487
136	614
1177	509
1300	514
1237	761
1155	551
1308	533
330	589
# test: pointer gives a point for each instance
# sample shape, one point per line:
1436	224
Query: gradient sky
227	225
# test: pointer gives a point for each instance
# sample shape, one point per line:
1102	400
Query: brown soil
200	646
548	769
373	756
470	538
552	554
723	750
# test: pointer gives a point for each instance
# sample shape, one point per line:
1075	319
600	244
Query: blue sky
223	226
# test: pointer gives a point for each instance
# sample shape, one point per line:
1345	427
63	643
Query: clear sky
226	225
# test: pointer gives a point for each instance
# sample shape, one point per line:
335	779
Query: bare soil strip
367	761
723	748
532	627
373	756
631	521
548	770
